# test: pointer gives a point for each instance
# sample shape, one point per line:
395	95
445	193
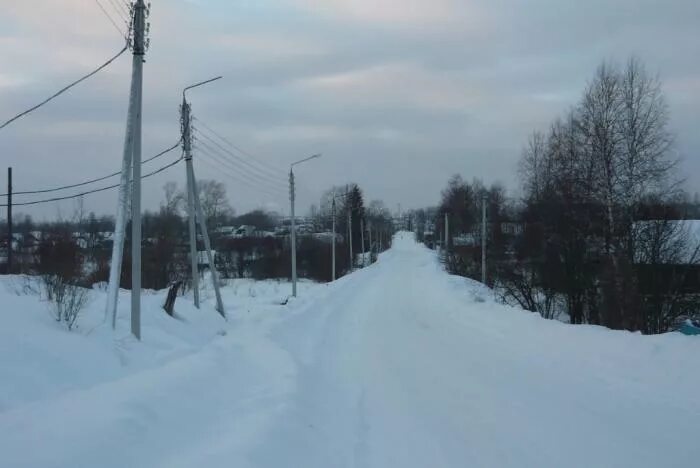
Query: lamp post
194	209
293	227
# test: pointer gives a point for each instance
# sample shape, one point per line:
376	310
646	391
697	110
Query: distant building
244	231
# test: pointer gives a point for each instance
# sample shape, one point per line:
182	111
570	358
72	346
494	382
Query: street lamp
187	149
293	233
194	209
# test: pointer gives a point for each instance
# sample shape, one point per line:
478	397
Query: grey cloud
472	90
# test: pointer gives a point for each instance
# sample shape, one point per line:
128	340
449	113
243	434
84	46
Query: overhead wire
242	167
240	172
109	17
267	166
245	178
274	180
66	88
237	178
92	181
231	155
89	192
121	10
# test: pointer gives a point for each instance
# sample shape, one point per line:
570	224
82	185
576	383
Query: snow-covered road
404	366
397	365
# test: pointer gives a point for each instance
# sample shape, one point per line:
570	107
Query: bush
67	298
60	267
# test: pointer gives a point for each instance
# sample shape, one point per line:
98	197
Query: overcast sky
397	94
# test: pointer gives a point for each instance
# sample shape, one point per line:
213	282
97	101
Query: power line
240	165
247	177
121	10
111	20
66	88
233	166
264	164
227	154
91	181
275	175
227	170
237	178
77	195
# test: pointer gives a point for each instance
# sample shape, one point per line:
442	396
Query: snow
397	364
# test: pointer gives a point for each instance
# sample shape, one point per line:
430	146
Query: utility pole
139	52
333	241
187	147
131	170
369	230
194	207
292	195
447	232
293	234
483	238
9	221
349	209
207	246
362	241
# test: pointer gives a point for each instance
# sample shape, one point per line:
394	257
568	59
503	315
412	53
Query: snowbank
397	364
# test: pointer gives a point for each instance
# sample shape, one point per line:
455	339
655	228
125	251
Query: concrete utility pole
194	206
139	52
187	147
369	230
293	243
483	238
349	208
9	221
362	241
294	234
131	169
447	232
207	245
333	241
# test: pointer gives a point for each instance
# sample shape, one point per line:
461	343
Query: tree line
74	252
597	234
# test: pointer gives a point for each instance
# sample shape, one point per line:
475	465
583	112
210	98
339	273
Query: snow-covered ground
396	365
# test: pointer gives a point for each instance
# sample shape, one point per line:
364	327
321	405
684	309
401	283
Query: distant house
225	231
244	231
80	239
328	237
305	228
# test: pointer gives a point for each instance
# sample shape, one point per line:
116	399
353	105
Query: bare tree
215	204
174	200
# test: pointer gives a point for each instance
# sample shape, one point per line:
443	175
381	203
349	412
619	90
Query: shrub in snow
67	298
60	269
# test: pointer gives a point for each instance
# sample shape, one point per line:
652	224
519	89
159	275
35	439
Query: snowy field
396	365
